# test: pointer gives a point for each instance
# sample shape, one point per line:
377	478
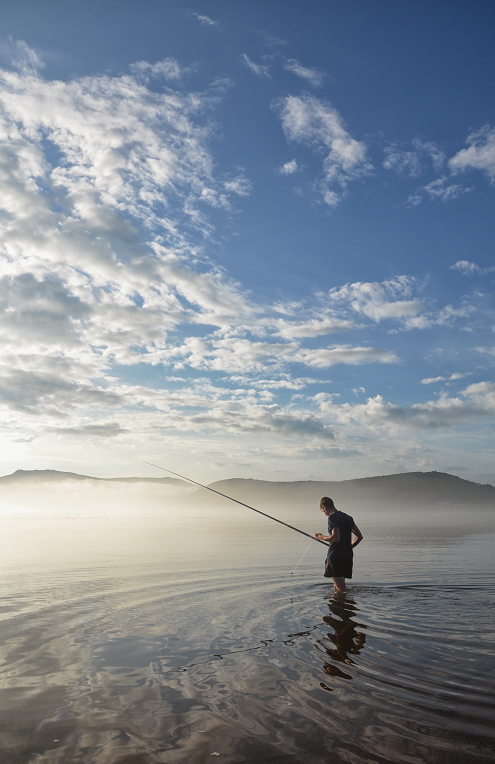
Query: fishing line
293	571
264	643
207	488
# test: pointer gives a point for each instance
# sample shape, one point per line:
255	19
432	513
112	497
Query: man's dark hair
327	503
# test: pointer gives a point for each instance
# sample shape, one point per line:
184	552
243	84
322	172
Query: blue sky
247	239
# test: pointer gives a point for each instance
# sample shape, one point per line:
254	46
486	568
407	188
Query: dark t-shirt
345	524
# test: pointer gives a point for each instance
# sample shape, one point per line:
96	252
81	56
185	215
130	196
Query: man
341	529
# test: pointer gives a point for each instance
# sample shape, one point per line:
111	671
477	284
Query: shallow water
169	637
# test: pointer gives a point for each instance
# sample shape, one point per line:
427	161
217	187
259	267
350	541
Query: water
135	637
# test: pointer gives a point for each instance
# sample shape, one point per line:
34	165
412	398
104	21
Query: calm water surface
171	636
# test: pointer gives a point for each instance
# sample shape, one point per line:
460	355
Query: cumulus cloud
128	155
301	425
395	300
480	154
49	393
107	185
473	403
99	179
314	76
247	412
238	354
378	300
306	119
289	168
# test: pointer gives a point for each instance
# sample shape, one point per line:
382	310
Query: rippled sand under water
168	655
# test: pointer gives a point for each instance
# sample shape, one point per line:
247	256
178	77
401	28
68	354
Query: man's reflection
345	640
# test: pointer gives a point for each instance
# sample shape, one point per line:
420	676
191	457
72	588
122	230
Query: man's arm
333	538
358	535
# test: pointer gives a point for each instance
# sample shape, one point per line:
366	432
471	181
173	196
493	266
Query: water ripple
258	666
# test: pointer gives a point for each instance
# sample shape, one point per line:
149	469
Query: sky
247	239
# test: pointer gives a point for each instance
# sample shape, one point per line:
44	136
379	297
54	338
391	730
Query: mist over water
140	624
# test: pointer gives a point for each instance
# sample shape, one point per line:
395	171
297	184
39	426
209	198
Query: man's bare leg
339	584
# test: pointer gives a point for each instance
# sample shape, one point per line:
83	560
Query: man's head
327	506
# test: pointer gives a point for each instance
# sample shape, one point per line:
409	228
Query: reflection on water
346	640
120	643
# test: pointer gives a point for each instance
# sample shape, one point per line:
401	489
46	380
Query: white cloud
394	300
289	168
237	354
168	68
406	162
50	393
306	119
90	429
450	378
106	188
358	390
239	185
205	20
281	382
474	402
99	177
443	190
325	357
415	160
259	69
314	76
296	425
313	328
469	269
378	300
21	56
480	154
440	189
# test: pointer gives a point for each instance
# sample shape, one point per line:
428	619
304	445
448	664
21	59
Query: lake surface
142	633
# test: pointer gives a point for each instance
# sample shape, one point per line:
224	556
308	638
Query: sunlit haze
247	239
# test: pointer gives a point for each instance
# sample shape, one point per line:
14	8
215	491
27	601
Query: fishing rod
298	530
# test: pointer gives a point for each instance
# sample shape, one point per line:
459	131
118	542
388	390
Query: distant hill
409	488
26	477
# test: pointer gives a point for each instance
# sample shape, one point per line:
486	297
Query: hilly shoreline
408	488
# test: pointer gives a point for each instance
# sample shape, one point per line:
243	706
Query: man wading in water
341	529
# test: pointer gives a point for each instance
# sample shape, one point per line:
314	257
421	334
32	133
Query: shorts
338	566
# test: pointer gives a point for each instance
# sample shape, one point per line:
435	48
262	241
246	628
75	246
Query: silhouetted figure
343	536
